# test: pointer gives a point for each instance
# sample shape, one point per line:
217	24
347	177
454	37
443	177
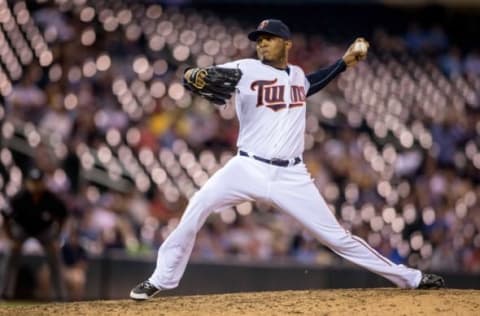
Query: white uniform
271	110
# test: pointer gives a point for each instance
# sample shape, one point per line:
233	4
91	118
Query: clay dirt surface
352	302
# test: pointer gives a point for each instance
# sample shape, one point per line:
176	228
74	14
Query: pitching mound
315	302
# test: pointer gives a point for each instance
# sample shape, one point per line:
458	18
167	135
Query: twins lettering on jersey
271	95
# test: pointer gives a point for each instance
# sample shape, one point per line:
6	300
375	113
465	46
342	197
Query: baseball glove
215	84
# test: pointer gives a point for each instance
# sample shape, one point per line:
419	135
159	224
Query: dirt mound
315	302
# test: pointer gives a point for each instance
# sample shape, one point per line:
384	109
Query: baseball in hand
357	51
360	48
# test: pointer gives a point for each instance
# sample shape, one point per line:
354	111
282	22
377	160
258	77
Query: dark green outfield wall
112	277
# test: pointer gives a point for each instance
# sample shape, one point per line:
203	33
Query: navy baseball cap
272	27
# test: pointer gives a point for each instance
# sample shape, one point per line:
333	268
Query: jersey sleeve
232	64
306	83
322	77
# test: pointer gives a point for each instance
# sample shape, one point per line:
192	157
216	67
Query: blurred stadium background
91	93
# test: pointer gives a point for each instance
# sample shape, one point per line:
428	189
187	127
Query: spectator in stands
447	136
57	120
436	41
34	212
451	62
27	100
415	38
471	64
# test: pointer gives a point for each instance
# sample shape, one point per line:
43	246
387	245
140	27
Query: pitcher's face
272	48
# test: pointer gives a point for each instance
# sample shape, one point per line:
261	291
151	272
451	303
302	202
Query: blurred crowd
433	42
100	108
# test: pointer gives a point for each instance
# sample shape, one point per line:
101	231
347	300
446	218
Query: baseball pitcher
270	96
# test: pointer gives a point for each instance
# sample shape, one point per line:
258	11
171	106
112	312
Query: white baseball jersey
270	105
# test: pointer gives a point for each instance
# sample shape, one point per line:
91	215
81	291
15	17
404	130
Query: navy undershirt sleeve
322	77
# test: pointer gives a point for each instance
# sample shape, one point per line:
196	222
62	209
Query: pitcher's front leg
218	193
174	253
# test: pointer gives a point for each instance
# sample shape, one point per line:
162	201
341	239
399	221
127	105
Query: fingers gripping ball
360	49
357	51
216	84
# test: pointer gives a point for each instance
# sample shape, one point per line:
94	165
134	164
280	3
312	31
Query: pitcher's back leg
302	200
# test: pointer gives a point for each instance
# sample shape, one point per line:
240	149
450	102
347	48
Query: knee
198	201
186	231
200	206
336	240
207	197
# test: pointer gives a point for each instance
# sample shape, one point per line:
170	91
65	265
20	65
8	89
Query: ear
288	44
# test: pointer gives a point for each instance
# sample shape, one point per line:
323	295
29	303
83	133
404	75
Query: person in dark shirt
33	212
75	261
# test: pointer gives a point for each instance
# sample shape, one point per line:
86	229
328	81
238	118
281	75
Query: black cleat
143	291
431	281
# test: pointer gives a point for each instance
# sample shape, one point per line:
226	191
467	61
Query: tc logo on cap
263	24
272	27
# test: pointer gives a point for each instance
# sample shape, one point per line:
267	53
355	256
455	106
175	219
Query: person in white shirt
270	101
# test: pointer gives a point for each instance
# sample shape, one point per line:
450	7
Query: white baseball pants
289	188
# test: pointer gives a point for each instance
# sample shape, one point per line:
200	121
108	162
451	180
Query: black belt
274	161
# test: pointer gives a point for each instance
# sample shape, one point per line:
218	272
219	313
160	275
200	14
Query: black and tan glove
215	84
